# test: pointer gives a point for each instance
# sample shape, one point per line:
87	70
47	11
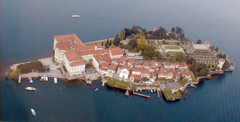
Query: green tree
162	33
173	29
136	29
102	43
199	41
116	40
179	30
15	73
217	49
149	52
107	44
110	43
122	35
141	42
159	55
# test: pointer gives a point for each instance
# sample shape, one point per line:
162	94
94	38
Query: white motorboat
45	78
30	89
55	80
42	78
96	89
34	113
75	16
30	80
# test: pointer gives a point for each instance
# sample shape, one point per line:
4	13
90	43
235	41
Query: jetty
158	92
98	41
141	95
19	79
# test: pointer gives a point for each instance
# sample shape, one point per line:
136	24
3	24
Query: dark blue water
27	30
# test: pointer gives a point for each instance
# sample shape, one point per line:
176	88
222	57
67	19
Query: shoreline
89	77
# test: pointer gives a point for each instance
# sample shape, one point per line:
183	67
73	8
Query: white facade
87	58
59	55
95	64
124	73
73	70
115	56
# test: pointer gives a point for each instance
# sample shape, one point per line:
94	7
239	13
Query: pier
159	92
19	79
141	95
98	41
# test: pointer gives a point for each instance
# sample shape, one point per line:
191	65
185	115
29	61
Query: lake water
27	30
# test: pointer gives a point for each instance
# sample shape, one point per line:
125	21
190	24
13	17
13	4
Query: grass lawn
183	82
171	96
120	84
173	53
171	47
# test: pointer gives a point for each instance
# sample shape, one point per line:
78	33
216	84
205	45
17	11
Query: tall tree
173	29
110	43
107	44
179	30
116	40
149	52
122	35
162	32
199	41
141	42
136	29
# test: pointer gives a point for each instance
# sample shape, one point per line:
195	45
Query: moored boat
34	113
42	78
45	78
30	89
55	80
127	93
96	89
75	16
30	80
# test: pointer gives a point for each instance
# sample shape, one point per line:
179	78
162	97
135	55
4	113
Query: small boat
19	79
193	86
30	89
42	78
151	91
33	112
55	80
45	78
96	89
127	93
30	80
75	16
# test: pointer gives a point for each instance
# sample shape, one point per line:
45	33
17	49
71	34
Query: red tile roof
99	46
64	45
69	37
124	67
77	63
103	68
116	51
141	70
131	61
137	77
72	56
104	57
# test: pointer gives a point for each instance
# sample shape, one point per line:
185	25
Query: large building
202	54
74	63
73	54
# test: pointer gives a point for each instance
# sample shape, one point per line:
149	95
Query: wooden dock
19	79
158	92
141	95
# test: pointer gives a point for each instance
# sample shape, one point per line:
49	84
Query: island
136	60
